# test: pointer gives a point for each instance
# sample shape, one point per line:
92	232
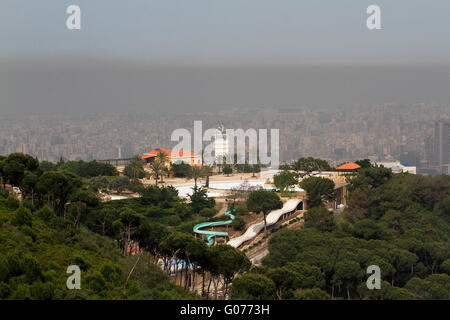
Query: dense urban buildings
408	134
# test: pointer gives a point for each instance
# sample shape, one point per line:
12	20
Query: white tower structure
220	143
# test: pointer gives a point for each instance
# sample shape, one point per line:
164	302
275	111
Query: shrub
80	262
46	214
12	203
238	223
29	232
111	272
96	282
21	217
208	212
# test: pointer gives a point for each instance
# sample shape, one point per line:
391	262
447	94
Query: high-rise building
442	143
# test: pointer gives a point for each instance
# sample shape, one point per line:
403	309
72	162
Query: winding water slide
272	218
210	235
252	231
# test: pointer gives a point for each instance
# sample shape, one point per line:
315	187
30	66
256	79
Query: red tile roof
349	166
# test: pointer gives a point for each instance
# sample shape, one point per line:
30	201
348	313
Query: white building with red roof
188	157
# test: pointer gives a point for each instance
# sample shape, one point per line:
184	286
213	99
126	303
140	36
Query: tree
229	262
89	169
263	201
284	280
46	214
47	166
156	170
357	205
195	173
238	223
58	186
368	229
364	163
14	166
369	178
433	287
29	182
163	159
120	183
293	276
320	218
179	245
127	226
318	190
13	172
311	294
284	180
22	217
252	286
150	236
81	202
227	169
207	212
135	169
2	173
308	165
199	199
102	221
445	266
207	171
180	170
347	274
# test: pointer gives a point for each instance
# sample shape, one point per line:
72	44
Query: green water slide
210	235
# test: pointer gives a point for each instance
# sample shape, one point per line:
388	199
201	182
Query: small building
14	191
349	168
188	157
397	167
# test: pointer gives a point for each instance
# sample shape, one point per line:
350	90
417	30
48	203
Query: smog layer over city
225	150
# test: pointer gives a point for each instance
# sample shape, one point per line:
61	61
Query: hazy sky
192	55
232	31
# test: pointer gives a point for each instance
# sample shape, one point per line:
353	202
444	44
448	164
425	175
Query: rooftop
349	166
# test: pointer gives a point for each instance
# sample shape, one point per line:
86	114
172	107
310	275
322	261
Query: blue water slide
210	235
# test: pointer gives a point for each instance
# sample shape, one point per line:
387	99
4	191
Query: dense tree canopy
89	169
308	165
398	222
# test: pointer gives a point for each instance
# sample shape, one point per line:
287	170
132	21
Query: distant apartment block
398	167
441	148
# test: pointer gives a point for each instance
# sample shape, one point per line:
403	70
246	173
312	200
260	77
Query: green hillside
36	249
